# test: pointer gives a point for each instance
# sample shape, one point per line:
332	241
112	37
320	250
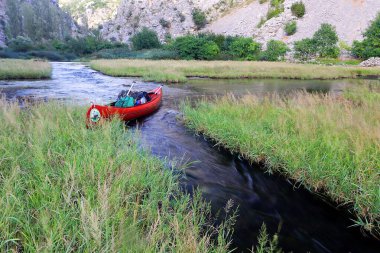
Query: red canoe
97	113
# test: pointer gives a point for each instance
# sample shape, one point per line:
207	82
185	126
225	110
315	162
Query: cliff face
2	23
350	17
36	19
240	17
166	17
91	14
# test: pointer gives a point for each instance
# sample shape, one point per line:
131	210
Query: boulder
371	62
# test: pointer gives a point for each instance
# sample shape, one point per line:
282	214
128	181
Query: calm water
305	222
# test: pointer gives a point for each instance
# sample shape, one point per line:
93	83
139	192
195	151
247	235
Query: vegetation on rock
298	9
199	18
291	28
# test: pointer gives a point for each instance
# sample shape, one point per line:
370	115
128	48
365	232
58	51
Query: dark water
305	222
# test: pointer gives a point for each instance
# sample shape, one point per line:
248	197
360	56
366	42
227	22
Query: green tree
370	46
191	47
305	49
322	44
326	40
145	39
275	50
21	44
245	48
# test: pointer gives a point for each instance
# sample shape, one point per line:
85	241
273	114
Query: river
305	222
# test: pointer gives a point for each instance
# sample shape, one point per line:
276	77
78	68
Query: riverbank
24	69
329	144
179	71
66	188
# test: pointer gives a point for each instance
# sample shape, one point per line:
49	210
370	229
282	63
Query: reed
226	69
64	188
24	69
330	144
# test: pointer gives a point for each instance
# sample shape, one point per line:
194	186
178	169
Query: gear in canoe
129	106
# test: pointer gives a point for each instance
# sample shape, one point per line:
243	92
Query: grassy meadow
330	144
178	71
64	188
24	69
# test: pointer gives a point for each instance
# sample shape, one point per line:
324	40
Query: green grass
329	144
64	188
24	69
177	71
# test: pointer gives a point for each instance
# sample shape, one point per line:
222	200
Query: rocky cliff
240	17
167	17
91	13
2	23
36	19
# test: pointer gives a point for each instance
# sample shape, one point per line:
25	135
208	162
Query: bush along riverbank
65	188
329	144
179	71
24	69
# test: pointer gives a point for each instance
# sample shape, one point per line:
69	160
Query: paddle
133	83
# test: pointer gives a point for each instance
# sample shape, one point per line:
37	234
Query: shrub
145	39
193	47
275	50
199	18
245	48
274	12
48	55
217	38
208	51
298	9
305	49
291	28
21	44
164	23
323	44
326	40
276	9
370	46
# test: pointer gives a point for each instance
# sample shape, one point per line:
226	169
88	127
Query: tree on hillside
326	40
145	39
322	44
370	46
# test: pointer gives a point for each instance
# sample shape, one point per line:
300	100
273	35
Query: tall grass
227	69
64	188
24	69
329	144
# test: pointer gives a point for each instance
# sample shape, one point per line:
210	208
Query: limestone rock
371	62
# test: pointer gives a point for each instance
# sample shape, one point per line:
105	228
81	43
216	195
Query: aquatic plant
64	188
329	144
24	69
228	69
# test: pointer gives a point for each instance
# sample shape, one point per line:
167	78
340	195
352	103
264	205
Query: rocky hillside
350	17
240	17
167	17
36	19
91	13
2	23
